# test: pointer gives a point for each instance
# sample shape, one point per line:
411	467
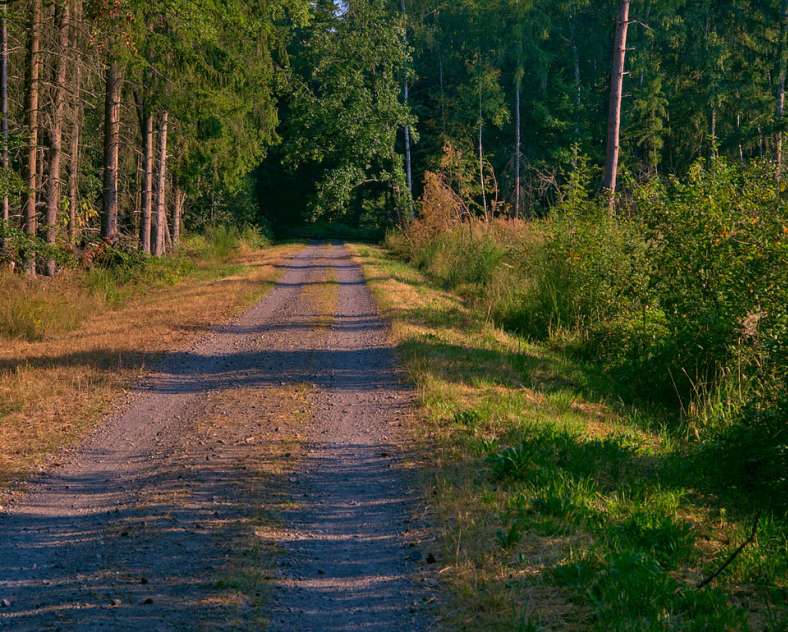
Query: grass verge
52	390
556	508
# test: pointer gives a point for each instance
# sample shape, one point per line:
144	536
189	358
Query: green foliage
681	297
345	112
18	246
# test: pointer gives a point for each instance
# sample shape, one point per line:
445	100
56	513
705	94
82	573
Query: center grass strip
52	391
556	510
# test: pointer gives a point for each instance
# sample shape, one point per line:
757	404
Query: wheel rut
256	479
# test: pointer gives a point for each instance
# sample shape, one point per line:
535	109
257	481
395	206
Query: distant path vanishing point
142	527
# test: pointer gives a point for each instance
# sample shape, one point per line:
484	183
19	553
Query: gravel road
142	527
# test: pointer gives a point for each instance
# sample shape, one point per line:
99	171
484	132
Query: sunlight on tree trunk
34	69
616	94
63	19
159	245
109	218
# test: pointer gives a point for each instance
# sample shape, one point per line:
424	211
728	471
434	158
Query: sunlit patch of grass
556	506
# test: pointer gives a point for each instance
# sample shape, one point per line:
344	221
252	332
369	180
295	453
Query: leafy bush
681	297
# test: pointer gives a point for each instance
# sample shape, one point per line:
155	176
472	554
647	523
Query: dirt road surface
254	480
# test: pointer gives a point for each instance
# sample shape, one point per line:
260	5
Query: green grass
558	506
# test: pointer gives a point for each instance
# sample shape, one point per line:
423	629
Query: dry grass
52	391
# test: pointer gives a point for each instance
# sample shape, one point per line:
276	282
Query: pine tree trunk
4	105
616	94
177	217
137	219
31	216
443	93
578	88
408	163
781	89
147	182
63	20
517	143
481	154
161	189
76	107
109	217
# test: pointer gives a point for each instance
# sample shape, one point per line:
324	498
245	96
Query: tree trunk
109	216
31	217
53	195
517	142
137	219
408	163
161	189
177	216
147	181
73	197
781	89
578	88
4	105
616	94
443	94
481	153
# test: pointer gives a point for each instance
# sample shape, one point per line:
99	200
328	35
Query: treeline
516	85
116	114
505	90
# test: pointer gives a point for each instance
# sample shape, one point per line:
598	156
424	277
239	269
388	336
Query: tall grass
35	309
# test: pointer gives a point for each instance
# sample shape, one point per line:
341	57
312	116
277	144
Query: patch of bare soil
255	478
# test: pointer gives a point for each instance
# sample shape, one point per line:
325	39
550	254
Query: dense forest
604	179
291	111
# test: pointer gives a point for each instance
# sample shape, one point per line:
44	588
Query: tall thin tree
63	20
145	113
109	216
405	98
518	81
481	147
616	95
76	122
159	244
4	104
34	72
783	63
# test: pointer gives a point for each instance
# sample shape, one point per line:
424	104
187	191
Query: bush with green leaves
720	270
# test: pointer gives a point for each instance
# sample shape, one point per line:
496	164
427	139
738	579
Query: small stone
5	603
143	580
116	602
147	601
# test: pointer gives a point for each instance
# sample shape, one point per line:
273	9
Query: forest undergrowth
605	398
